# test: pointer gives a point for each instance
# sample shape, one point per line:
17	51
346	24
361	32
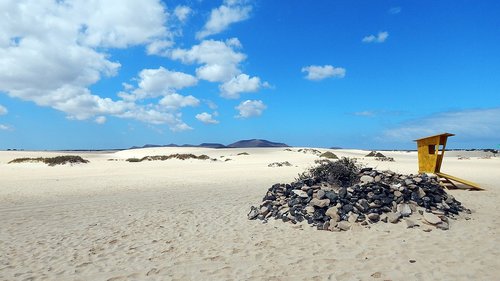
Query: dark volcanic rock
332	197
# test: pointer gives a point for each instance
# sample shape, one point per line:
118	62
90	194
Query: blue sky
355	74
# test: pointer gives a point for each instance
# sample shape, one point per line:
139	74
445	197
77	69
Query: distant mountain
238	144
212	145
152	145
256	143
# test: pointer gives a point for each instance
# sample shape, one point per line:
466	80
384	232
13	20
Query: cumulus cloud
250	108
470	124
51	52
160	81
182	12
219	59
4	127
175	101
206	118
100	119
317	72
219	62
222	17
240	84
379	38
3	110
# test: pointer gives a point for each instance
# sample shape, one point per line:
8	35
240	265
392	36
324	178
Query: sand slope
186	220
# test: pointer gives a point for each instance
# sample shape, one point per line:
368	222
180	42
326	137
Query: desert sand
187	220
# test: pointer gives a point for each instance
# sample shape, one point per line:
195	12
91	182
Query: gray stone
410	223
254	212
332	212
417	179
344	225
404	209
300	193
306	187
395	186
443	226
421	192
408	182
383	217
393	217
309	209
366	179
431	218
398	193
373	216
319	203
352	217
333	223
320	194
264	210
377	178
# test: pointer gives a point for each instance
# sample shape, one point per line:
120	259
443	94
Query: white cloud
182	12
4	127
3	110
206	118
316	72
239	84
470	124
175	101
157	117
211	105
220	18
159	47
100	119
379	38
219	59
394	10
51	52
250	108
159	82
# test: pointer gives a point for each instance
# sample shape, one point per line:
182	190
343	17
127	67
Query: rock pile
375	154
334	198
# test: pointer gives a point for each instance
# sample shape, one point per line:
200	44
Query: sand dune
186	220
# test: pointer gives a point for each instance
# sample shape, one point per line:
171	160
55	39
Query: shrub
329	155
243	153
166	157
52	161
343	172
280	164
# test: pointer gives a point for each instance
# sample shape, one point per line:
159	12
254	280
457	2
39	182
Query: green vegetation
167	157
280	164
343	172
243	153
329	155
52	161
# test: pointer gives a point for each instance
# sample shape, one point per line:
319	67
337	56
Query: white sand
186	220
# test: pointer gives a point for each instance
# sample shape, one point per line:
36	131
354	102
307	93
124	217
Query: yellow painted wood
431	152
466	182
430	157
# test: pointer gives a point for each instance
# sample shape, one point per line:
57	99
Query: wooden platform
451	178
